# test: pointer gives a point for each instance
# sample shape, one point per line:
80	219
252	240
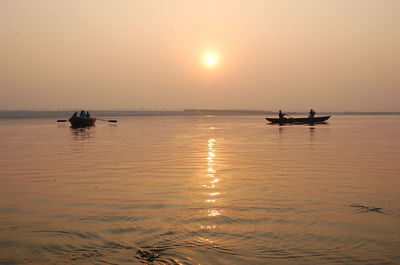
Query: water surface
200	190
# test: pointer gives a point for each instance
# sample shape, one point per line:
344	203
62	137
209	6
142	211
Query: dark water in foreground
200	190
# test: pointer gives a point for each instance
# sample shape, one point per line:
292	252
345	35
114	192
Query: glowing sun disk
210	59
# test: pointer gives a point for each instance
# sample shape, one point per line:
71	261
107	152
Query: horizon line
197	111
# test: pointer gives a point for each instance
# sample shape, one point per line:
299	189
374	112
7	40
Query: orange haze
292	55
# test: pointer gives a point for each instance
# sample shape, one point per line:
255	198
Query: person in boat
75	115
312	114
87	115
82	114
281	115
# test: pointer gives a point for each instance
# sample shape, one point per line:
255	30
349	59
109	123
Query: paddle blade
112	121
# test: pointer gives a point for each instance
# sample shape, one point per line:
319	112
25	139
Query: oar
107	120
97	119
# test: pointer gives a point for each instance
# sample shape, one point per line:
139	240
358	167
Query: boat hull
78	122
307	120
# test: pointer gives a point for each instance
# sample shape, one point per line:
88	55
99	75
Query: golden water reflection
213	212
211	175
211	185
208	227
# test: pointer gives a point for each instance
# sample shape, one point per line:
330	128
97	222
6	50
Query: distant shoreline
11	114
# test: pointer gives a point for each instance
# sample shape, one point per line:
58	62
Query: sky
341	55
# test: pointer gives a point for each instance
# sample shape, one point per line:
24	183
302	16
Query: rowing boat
78	122
307	120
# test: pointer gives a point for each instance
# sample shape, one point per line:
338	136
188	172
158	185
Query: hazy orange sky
341	55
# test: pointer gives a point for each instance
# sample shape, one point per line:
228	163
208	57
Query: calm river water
200	190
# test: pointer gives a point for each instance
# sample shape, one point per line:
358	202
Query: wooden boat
307	120
77	122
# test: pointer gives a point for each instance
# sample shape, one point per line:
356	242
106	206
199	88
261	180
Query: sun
210	59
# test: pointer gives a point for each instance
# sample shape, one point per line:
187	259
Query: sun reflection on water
208	226
211	170
212	181
213	212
